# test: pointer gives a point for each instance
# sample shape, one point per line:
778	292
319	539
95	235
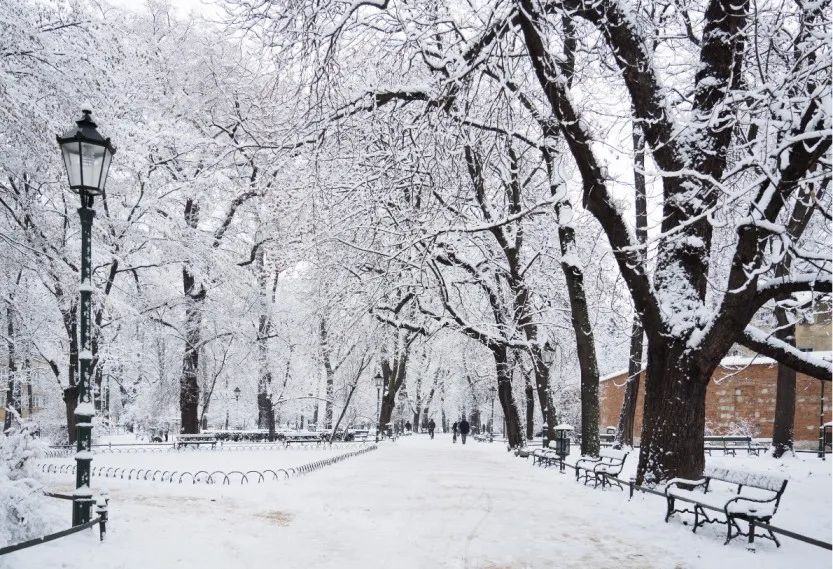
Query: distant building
37	398
741	395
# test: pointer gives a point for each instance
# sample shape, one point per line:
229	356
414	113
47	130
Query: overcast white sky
183	7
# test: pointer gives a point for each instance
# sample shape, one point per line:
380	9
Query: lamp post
492	392
237	405
401	396
380	381
87	157
547	358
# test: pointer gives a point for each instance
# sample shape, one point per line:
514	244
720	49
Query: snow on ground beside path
419	503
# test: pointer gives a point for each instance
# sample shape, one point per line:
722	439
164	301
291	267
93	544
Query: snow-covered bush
24	513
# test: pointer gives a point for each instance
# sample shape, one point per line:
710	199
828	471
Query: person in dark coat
454	430
464	429
431	426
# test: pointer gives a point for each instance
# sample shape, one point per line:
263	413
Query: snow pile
22	512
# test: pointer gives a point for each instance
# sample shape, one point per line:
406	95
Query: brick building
741	395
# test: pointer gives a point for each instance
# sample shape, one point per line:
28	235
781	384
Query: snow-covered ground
419	503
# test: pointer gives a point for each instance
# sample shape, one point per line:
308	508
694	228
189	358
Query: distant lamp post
237	404
380	382
492	392
87	157
402	397
547	358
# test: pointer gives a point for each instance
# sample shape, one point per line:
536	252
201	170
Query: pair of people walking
463	428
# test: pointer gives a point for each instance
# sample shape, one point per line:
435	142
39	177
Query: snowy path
413	504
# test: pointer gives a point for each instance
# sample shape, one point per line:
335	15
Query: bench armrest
675	482
748	499
589	459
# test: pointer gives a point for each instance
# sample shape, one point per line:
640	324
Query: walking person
454	430
464	429
431	426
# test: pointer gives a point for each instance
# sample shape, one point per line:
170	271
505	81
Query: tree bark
586	350
189	389
530	408
71	391
675	414
784	420
12	391
627	416
330	373
514	433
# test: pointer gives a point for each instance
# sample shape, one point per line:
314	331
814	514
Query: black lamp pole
379	381
87	157
492	390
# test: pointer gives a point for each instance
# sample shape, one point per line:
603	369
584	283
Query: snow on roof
731	362
614	375
739	361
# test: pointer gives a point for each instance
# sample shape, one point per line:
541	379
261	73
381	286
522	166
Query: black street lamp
492	392
380	381
237	404
87	157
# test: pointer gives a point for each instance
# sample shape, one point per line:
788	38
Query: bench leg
670	509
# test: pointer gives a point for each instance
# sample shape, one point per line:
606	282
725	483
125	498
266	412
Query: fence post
101	510
631	484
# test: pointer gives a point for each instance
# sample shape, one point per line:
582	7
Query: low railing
100	520
150	448
203	476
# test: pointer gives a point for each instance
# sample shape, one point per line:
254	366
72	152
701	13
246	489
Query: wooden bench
607	439
759	504
602	470
187	440
731	444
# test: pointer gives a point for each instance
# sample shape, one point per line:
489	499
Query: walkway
412	504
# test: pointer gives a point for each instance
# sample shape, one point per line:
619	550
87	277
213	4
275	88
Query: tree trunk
624	431
675	415
189	389
784	421
586	350
71	392
71	402
514	433
12	392
530	409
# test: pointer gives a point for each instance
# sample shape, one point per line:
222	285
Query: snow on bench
603	469
758	503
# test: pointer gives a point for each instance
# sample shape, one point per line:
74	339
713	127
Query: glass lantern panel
92	158
105	168
72	162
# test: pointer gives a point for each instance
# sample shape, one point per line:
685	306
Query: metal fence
204	476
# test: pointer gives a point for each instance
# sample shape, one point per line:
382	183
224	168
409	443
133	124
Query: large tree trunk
529	392
514	433
784	421
675	415
586	350
189	389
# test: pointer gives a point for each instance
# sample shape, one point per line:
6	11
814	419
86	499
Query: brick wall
738	394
